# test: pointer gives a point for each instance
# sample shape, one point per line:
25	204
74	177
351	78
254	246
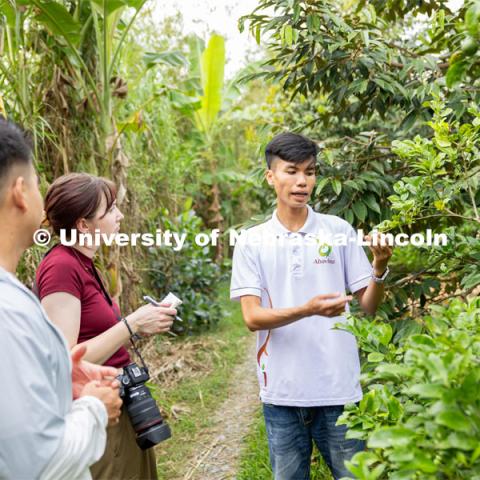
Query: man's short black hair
290	147
15	147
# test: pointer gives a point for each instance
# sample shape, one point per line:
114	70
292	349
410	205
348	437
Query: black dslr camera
141	407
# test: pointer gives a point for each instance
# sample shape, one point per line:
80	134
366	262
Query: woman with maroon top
70	291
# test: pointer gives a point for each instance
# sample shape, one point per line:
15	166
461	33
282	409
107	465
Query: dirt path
219	452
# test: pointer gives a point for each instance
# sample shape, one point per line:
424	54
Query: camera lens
153	436
142	408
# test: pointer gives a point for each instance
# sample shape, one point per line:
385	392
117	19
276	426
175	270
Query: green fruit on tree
469	46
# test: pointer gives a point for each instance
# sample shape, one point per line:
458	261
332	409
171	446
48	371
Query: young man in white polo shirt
291	275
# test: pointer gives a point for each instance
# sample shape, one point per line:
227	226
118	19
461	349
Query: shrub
190	273
421	413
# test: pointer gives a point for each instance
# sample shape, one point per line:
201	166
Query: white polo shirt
305	363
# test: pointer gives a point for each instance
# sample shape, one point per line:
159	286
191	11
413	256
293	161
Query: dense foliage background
103	89
390	91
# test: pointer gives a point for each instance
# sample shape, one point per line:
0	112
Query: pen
151	300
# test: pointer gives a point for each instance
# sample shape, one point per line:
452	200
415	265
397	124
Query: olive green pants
123	459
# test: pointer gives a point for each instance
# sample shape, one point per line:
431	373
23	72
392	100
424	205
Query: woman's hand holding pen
150	319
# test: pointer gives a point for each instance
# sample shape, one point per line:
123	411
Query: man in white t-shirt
291	275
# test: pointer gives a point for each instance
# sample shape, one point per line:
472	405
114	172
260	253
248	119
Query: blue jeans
290	432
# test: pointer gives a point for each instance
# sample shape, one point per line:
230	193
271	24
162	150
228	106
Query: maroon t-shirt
65	270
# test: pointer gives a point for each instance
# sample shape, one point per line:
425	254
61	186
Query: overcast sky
204	17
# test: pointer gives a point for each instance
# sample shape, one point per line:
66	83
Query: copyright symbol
42	237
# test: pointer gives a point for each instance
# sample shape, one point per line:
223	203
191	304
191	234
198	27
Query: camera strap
108	298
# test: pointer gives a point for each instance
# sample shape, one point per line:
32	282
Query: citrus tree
363	78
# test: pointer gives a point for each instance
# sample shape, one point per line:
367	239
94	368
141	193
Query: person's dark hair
290	147
15	147
75	196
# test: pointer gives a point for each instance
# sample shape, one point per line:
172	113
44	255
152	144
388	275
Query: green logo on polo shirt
324	250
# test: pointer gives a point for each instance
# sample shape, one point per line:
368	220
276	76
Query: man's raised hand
381	253
84	372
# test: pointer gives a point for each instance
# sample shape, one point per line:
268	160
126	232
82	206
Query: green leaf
360	210
390	370
472	20
455	420
461	441
455	73
187	206
349	216
58	20
427	390
172	58
422	461
109	6
310	26
385	333
9	11
422	339
394	408
391	437
337	186
471	280
409	120
372	203
375	357
183	102
320	185
436	367
352	184
213	64
475	454
365	38
401	454
288	34
258	32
